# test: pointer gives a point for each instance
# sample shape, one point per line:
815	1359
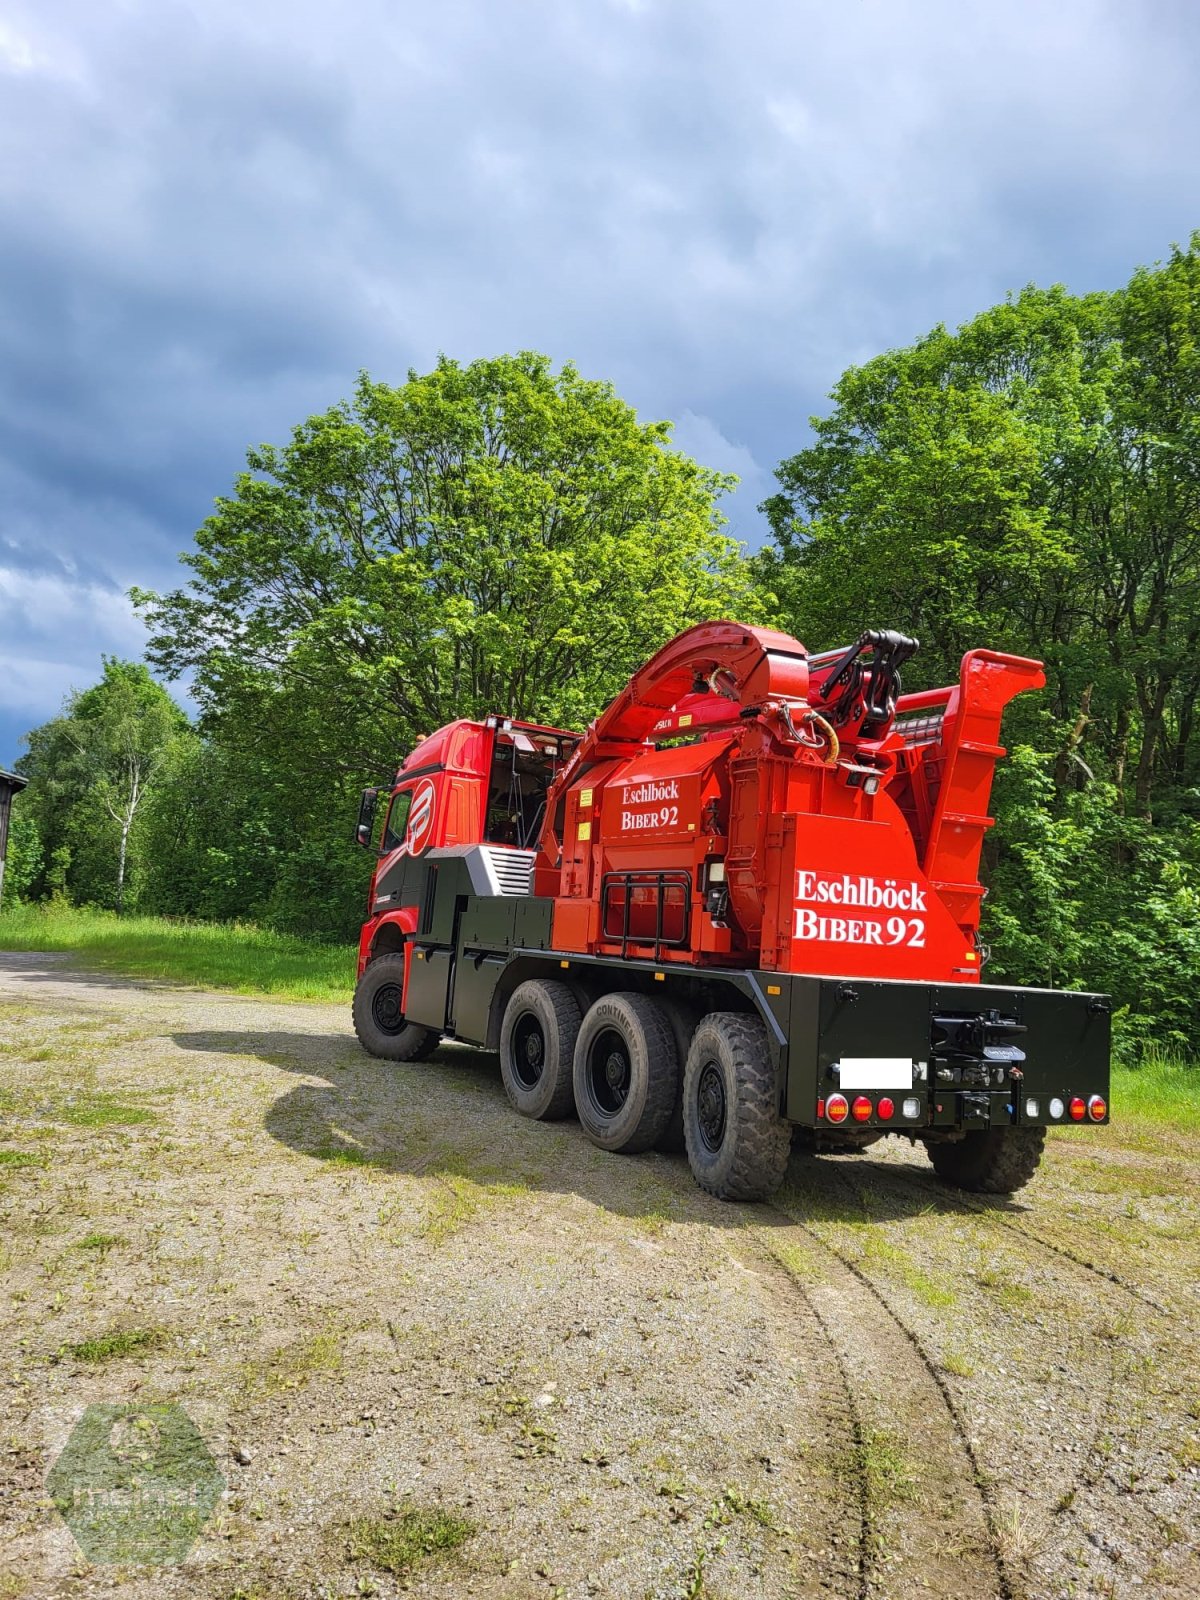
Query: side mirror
366	817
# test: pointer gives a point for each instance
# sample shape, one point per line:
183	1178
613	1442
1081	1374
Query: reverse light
1056	1108
911	1108
837	1108
885	1110
861	1109
1032	1108
1077	1109
1097	1108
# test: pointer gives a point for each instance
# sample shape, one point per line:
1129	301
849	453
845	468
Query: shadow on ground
450	1117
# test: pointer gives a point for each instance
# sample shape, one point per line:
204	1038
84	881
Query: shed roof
12	780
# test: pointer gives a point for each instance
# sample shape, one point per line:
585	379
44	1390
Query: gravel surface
380	1295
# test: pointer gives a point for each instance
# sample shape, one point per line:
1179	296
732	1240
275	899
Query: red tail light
1097	1108
885	1110
1077	1109
837	1108
861	1108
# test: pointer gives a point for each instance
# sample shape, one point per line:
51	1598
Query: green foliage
92	772
497	536
1032	483
24	856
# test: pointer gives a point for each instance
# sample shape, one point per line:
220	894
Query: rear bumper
962	1056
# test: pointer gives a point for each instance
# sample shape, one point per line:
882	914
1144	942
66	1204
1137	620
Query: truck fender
386	934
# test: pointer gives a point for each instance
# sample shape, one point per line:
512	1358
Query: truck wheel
991	1161
378	1019
683	1019
537	1044
737	1143
626	1072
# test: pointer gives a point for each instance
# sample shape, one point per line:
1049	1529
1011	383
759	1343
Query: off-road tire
989	1161
537	1047
378	1022
746	1156
626	1072
684	1020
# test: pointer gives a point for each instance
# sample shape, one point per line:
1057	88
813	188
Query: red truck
742	907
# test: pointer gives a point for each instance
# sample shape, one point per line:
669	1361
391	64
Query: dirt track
375	1289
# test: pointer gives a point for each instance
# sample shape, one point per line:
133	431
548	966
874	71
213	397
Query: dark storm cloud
212	215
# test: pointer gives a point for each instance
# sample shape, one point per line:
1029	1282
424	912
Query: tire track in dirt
908	1550
844	1433
980	1208
1116	1420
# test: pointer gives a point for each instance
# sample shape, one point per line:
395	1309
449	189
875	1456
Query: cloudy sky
212	215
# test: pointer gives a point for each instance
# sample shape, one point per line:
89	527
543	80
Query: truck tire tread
991	1161
754	1155
555	1005
655	1067
412	1042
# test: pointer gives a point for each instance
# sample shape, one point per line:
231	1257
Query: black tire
537	1047
684	1020
626	1072
990	1161
737	1143
378	1020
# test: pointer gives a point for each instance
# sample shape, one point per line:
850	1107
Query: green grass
396	1544
213	955
1161	1092
23	1158
118	1342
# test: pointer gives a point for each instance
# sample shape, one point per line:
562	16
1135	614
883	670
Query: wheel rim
387	1008
710	1106
609	1073
529	1051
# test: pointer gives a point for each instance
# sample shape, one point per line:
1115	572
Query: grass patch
118	1343
214	955
458	1199
99	1243
398	1543
293	1364
957	1364
101	1111
1004	1288
23	1158
1159	1093
879	1250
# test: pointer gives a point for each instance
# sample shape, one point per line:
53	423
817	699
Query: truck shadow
450	1118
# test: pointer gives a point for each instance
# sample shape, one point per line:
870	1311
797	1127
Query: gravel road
381	1296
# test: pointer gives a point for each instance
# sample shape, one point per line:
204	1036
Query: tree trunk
125	826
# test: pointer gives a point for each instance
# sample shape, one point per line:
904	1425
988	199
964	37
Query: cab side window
397	820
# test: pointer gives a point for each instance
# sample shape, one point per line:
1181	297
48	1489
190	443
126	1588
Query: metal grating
513	869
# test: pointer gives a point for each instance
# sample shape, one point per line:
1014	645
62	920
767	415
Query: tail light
1077	1109
837	1108
1097	1108
911	1107
885	1110
861	1108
